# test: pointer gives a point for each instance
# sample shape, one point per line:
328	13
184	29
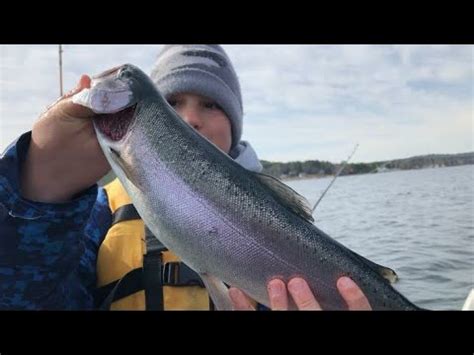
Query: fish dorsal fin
289	197
388	274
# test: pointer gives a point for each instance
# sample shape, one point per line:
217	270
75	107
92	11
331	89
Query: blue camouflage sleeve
47	251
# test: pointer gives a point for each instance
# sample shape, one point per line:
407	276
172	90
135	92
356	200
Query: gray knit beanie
204	70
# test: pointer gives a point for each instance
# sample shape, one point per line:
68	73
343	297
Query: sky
301	102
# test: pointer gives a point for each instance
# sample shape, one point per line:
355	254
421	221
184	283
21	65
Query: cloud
300	102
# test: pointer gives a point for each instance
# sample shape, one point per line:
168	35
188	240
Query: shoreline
319	176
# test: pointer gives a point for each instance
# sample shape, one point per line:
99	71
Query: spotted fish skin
224	221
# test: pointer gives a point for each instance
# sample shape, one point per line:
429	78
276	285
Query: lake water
418	222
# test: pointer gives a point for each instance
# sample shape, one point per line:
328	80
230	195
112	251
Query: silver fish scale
221	220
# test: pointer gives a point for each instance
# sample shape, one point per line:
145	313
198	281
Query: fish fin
117	160
289	197
218	292
387	273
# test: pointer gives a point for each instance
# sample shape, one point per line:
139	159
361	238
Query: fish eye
125	74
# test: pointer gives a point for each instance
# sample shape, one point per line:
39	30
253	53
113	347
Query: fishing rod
344	164
60	70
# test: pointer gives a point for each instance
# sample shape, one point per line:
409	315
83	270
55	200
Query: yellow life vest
123	250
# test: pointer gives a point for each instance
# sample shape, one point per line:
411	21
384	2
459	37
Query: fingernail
346	283
275	286
296	284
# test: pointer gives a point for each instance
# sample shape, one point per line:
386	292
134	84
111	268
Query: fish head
117	96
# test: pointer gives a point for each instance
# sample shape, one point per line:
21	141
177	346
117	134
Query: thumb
83	83
69	110
240	300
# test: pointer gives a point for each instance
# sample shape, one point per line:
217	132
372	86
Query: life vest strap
179	274
125	213
153	280
173	274
152	277
130	283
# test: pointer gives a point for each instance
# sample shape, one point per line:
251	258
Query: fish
234	227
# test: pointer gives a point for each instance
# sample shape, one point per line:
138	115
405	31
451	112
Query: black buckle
179	274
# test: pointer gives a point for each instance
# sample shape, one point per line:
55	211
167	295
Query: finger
69	110
240	300
277	295
302	295
353	295
84	82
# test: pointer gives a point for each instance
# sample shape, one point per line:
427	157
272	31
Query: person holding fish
67	243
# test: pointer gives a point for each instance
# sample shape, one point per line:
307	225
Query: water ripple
419	222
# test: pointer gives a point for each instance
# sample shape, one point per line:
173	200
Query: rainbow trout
229	224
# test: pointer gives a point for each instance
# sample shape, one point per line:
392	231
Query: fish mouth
114	126
110	72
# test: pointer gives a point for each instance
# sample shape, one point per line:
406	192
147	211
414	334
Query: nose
192	117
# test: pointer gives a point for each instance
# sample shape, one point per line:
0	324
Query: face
205	116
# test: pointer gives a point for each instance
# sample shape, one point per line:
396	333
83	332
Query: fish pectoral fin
218	292
123	166
289	197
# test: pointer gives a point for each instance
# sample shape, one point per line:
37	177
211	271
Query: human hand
301	295
64	157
